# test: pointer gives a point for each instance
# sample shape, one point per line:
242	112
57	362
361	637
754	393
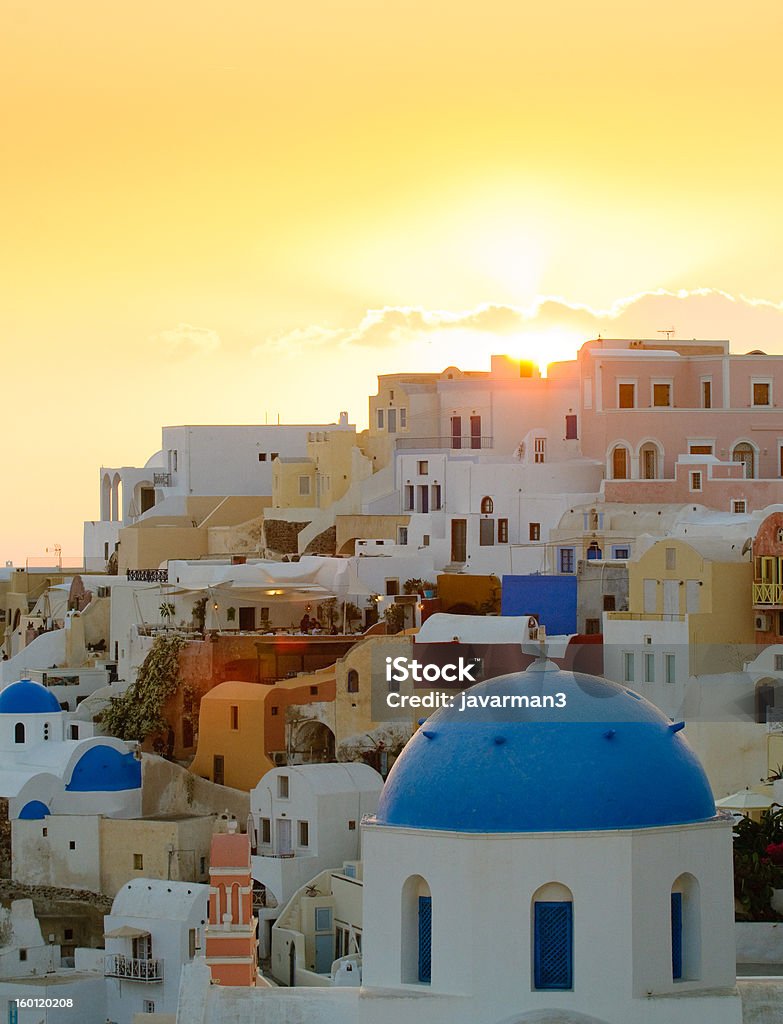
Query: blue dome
608	760
28	698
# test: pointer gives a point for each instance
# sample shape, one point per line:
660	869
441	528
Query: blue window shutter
553	945
425	938
677	935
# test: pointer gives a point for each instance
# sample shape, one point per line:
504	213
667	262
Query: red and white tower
232	930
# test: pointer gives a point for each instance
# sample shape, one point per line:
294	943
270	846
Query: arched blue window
416	946
553	938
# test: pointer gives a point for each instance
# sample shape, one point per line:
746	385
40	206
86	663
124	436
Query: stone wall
281	536
324	543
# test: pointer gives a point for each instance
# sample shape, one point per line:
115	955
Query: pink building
679	421
231	935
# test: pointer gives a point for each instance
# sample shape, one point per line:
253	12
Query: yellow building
323	476
231	747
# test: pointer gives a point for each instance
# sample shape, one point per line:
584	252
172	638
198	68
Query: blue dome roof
608	760
28	698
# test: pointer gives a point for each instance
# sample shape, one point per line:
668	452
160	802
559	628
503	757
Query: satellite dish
747	545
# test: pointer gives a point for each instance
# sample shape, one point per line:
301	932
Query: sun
542	347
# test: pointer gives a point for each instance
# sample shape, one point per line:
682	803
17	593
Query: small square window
662	395
138	862
351	826
609	602
273	456
262	456
761	390
739	507
68	934
626	396
592	627
392	587
424	467
282	787
275	710
534	531
72	844
313	691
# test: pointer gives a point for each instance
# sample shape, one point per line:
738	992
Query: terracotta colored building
231	934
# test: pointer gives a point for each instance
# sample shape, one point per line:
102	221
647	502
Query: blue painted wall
552	599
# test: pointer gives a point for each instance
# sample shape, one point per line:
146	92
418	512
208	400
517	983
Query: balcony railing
132	969
465	442
161	479
768	594
147	575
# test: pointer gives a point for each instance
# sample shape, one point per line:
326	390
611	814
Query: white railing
132	969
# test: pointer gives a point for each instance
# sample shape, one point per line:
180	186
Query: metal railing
147	575
464	442
132	969
161	479
768	593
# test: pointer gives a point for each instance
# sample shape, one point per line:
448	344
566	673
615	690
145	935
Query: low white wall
759	942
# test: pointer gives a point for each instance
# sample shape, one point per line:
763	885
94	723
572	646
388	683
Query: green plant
200	613
757	870
231	614
352	612
138	713
329	607
395	618
166	610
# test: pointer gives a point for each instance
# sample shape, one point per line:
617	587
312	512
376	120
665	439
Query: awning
126	932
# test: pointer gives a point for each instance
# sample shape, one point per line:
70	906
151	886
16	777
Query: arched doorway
745	453
648	461
620	462
312	741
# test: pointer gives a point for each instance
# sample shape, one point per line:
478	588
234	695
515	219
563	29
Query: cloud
186	337
701	313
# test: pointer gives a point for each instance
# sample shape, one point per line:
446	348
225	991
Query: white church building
561	864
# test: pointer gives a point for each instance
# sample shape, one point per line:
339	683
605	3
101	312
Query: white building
307	819
528	864
154	928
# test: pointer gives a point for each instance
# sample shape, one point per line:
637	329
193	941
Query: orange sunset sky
217	212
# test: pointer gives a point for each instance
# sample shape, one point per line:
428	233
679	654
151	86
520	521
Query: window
626	396
74	732
620	552
402	535
502	531
676	913
592	627
745	453
671	558
351	826
234	716
44	832
138	862
649	667
304	486
706	393
191	943
68	934
566	559
403	418
19	732
352	681
552	945
262	456
648	462
392	587
391	421
425	540
424	467
739	507
304	833
437	502
425	939
534	531
609	602
282	787
762	392
313	691
486	532
475	432
620	463
273	456
695	480
380	419
22	954
570	428
628	666
661	395
149	1004
456	431
669	666
539	449
779	662
72	844
275	710
266	830
700	449
487	506
202	866
408	498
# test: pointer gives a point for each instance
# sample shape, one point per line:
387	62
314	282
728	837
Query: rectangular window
403	418
425	939
566	559
761	392
706	394
539	449
138	862
391	421
282	787
692	596
650	589
456	431
304	833
266	830
402	535
534	531
626	396
570	428
191	943
392	587
409	498
695	480
273	456
262	456
380	419
304	486
552	945
592	627
700	449
662	395
676	918
234	711
424	467
628	666
502	531
609	603
669	668
671	558
424	499
275	710
437	500
779	662
620	552
739	507
649	667
149	1004
486	532
425	540
475	432
72	844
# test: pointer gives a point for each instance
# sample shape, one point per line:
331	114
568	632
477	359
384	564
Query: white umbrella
745	800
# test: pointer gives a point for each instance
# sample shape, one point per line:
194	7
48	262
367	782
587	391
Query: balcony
466	442
768	595
147	575
161	479
131	969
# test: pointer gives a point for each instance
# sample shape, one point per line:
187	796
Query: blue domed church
556	862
